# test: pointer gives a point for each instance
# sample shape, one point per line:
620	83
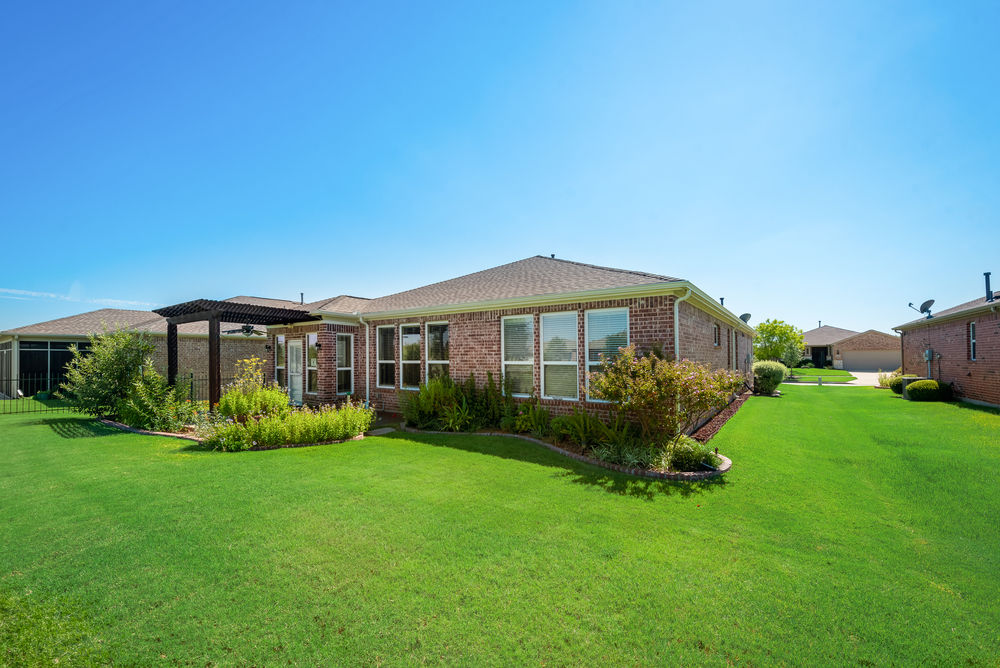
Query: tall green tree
777	340
96	381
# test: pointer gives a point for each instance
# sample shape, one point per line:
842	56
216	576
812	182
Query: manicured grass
829	375
854	529
821	372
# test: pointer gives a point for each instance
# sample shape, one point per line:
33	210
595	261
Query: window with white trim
972	341
386	345
409	356
605	331
715	334
560	352
437	350
279	361
345	363
312	364
517	339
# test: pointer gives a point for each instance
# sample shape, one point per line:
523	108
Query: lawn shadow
578	473
79	428
965	405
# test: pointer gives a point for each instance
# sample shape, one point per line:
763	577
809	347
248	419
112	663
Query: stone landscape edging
684	476
185	437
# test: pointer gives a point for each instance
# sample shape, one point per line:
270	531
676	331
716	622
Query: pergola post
214	362
171	354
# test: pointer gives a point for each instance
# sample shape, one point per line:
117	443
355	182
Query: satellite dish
745	317
926	306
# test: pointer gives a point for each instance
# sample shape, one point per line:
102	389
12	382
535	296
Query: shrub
767	376
581	427
666	397
97	382
896	384
153	405
301	425
929	390
806	364
885	378
687	454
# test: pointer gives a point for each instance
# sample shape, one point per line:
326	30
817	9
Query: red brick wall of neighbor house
475	345
866	341
192	353
978	380
326	336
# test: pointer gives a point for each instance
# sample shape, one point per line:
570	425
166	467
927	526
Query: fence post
820	380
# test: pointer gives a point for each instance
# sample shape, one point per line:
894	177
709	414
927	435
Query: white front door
295	370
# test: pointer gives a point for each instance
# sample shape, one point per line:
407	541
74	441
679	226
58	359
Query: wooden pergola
216	313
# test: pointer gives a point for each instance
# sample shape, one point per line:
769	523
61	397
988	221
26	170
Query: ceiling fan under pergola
245	330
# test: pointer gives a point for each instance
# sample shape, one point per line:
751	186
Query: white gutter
677	324
368	379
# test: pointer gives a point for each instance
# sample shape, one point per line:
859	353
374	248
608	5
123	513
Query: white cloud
11	293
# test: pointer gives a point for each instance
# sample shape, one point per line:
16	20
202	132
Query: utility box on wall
928	355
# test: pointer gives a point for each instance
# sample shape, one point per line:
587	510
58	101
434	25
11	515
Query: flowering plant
665	397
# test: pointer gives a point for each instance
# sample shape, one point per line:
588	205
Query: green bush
767	376
896	383
581	427
153	405
928	390
259	401
300	425
97	382
687	454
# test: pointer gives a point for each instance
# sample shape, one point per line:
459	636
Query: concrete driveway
862	378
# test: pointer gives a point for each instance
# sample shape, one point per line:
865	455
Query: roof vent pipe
820	323
989	293
722	301
553	256
302	298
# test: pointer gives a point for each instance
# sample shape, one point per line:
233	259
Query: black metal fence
37	393
32	393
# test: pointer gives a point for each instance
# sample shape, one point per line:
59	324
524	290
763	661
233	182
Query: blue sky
829	162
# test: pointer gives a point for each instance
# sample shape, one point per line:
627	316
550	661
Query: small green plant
928	390
687	454
896	384
457	417
154	405
767	376
885	378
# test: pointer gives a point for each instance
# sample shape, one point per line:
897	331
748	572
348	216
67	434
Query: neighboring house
852	351
540	322
34	357
963	344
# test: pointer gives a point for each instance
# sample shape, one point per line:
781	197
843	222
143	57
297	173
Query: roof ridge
597	266
273	299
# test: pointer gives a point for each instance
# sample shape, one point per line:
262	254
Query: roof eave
986	307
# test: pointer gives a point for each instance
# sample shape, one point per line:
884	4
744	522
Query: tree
97	381
777	340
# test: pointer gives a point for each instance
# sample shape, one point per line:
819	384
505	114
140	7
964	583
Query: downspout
677	324
367	374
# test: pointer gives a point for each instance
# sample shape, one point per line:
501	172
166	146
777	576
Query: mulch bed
712	427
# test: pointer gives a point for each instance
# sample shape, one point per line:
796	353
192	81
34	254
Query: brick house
33	357
870	350
963	344
541	322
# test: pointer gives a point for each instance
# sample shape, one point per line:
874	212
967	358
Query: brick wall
977	379
474	345
864	341
192	353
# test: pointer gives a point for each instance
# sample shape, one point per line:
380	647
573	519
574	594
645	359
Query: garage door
872	360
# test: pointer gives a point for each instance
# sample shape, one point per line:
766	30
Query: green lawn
829	375
854	529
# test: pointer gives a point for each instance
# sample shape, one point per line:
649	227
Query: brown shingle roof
85	323
534	276
92	322
827	335
341	304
